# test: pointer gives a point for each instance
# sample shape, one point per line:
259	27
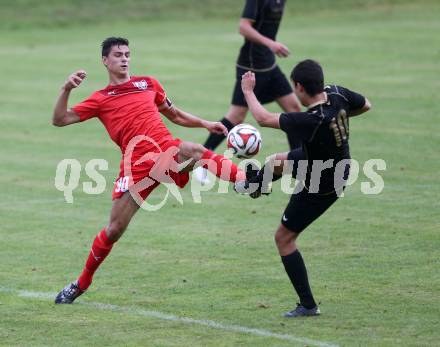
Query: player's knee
241	115
279	239
236	115
115	230
197	151
283	238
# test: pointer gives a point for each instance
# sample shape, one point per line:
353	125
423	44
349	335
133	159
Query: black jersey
324	132
266	15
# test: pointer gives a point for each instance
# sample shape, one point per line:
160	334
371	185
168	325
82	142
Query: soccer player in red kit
129	108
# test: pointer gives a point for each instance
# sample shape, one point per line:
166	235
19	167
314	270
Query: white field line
169	317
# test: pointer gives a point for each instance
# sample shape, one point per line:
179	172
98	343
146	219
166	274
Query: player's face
118	60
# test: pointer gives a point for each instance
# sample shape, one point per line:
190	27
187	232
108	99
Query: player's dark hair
310	75
109	42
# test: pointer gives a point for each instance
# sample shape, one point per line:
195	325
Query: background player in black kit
323	130
259	25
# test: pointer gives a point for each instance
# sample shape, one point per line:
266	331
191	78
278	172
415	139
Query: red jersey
128	110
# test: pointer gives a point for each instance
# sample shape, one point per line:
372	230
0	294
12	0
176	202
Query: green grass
22	14
373	260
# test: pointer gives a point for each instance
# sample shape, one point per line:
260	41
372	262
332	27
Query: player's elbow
367	106
263	118
58	121
262	121
243	27
172	113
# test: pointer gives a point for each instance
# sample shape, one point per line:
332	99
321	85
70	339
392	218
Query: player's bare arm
263	117
248	31
365	108
63	116
188	120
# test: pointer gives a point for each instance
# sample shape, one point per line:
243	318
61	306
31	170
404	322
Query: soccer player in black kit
259	25
323	130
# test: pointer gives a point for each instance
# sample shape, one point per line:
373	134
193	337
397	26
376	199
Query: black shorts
270	85
304	208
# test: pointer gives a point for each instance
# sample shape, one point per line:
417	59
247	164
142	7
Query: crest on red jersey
141	84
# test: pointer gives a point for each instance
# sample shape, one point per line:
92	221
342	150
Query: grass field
200	274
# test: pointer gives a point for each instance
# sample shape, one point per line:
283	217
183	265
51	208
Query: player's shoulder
333	88
147	78
99	94
297	117
336	90
294	114
152	81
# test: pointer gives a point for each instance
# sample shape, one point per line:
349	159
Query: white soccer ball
244	140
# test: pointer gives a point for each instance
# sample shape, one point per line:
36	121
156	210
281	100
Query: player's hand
248	82
216	128
74	80
279	49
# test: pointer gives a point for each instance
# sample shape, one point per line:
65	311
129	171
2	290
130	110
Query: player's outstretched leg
297	272
218	164
123	210
223	167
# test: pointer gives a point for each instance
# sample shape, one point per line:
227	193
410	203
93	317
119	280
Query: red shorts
150	172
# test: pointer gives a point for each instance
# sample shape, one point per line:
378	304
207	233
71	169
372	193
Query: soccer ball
244	140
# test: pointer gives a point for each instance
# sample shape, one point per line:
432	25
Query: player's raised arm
188	120
63	116
263	117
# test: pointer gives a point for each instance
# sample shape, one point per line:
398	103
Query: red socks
100	249
224	169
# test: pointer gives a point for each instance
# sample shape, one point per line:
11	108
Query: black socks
297	272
